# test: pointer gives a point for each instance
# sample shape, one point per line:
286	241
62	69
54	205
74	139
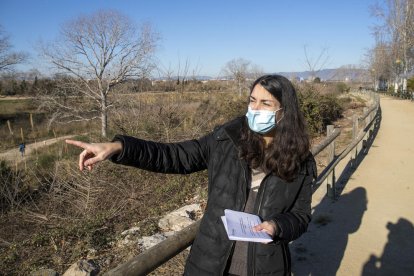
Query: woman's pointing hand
94	153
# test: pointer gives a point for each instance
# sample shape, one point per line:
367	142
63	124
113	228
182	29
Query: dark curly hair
290	145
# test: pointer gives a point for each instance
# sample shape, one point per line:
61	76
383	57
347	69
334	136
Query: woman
260	164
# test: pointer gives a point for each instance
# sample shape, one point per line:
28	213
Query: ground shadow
398	255
321	249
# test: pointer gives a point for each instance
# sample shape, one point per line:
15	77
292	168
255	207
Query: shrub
13	190
331	109
310	107
342	87
45	161
319	110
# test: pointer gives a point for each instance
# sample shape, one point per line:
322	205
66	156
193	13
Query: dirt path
14	154
369	229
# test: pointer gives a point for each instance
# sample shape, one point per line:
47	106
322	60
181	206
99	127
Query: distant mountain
346	73
339	74
200	78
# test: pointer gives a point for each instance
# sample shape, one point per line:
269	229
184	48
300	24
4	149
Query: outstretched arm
181	157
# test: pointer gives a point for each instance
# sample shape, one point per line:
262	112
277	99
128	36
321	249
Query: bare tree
238	69
9	58
379	61
182	74
315	65
396	26
96	53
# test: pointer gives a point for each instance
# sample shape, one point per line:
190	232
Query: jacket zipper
244	205
253	245
262	195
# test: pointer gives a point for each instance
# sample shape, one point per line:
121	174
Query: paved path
14	154
369	229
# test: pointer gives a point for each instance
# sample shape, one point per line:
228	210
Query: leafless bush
173	117
13	191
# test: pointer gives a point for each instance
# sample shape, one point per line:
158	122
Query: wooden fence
362	132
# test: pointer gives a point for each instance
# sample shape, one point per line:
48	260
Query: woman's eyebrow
252	97
262	100
268	100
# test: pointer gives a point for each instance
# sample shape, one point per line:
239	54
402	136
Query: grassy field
20	120
10	106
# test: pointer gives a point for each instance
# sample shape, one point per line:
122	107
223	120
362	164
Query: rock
128	240
148	242
129	237
179	218
44	272
82	268
131	231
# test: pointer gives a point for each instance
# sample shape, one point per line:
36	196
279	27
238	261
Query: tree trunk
104	116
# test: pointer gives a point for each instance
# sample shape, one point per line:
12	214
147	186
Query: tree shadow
321	249
398	255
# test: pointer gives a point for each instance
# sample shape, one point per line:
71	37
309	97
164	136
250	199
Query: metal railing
173	245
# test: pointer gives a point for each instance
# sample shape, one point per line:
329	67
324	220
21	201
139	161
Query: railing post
331	183
368	118
354	137
367	121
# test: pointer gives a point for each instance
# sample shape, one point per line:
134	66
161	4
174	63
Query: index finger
77	143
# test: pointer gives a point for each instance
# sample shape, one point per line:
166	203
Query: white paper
239	226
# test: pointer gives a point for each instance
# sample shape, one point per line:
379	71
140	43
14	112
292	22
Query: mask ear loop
283	115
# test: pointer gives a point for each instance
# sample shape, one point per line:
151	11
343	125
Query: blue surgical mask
261	121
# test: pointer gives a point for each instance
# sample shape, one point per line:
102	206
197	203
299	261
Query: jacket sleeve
180	158
294	223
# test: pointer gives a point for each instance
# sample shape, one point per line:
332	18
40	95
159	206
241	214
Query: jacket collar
231	130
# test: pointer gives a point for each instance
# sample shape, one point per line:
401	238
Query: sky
269	34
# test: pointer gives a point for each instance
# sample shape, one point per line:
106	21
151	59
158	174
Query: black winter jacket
288	204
